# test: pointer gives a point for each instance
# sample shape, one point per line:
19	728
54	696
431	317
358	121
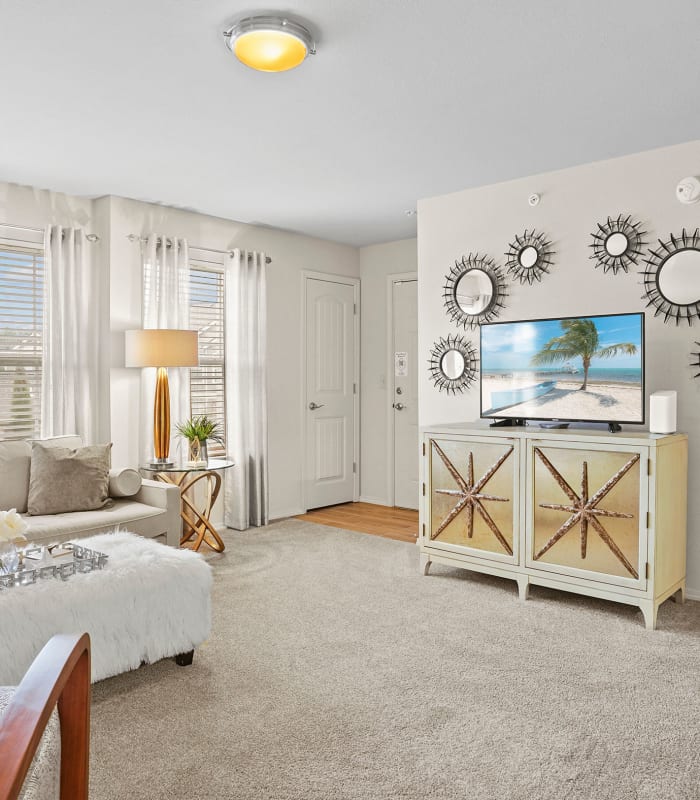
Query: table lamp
161	348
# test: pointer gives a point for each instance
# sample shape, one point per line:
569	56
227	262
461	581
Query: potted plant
198	431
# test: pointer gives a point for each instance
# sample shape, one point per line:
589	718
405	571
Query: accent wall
572	201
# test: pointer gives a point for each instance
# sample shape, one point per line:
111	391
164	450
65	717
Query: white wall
376	263
36	208
290	254
573	200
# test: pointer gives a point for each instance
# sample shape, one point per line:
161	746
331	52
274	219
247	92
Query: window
207	381
21	322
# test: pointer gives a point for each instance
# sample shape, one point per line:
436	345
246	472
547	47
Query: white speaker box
662	412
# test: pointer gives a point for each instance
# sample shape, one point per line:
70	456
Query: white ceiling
405	99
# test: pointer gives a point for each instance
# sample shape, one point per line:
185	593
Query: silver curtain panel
166	304
75	371
246	390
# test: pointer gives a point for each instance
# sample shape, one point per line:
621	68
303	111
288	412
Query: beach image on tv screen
580	368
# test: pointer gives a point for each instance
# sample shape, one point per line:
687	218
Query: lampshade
159	347
270	43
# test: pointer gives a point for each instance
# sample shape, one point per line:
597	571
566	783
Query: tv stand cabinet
583	511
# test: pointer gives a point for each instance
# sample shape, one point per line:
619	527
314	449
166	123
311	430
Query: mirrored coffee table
197	527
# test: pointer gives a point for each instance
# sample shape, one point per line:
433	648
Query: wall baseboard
692	594
375	501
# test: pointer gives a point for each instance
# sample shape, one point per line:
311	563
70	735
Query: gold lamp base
161	420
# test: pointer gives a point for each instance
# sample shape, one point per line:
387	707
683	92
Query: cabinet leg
523	587
649	609
679	596
424	563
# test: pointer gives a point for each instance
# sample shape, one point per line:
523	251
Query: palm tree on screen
579	340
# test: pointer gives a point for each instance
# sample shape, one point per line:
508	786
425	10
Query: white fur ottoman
150	602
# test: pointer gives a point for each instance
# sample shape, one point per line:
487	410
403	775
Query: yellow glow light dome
270	44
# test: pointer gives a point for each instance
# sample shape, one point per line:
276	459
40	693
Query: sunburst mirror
474	291
529	257
453	363
617	243
672	278
696	363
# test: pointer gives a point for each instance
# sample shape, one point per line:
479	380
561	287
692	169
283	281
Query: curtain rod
91	237
132	237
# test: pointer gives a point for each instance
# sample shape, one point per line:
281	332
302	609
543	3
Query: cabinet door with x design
473	499
587	514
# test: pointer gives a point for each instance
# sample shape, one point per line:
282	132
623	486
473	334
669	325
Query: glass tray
72	559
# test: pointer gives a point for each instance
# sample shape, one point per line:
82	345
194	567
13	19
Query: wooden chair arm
59	675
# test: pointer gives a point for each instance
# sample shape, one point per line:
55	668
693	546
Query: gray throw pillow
61	479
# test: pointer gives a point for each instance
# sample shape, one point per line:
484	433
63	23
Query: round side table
196	521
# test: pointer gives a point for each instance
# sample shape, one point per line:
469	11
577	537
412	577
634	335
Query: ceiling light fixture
270	43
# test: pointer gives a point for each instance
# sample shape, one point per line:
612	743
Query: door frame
330	277
391	279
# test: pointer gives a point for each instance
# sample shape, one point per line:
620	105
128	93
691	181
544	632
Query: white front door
329	405
405	392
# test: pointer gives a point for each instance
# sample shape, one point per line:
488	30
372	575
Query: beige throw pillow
61	479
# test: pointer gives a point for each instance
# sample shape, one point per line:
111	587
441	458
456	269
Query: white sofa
153	511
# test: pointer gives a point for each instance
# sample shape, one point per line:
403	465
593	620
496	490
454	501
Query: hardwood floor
392	523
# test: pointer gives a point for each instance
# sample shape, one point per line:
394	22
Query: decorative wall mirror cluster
474	291
617	244
475	288
672	278
453	363
529	257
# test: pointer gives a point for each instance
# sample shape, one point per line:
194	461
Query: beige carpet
336	671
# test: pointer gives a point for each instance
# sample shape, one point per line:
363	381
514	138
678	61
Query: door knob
313	406
399	406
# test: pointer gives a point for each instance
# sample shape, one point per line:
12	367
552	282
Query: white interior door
405	392
330	392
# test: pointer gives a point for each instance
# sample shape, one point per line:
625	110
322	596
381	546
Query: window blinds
21	323
207	381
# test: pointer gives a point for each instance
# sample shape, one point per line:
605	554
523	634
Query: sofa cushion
15	458
59	527
63	480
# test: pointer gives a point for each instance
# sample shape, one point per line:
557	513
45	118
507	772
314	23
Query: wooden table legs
196	522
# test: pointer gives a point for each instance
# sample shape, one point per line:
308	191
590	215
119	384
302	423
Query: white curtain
166	304
75	372
246	390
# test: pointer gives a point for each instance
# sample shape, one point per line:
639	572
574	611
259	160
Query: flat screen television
573	369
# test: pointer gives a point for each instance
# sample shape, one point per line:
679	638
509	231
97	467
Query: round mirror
528	257
672	278
679	277
616	244
473	291
452	364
